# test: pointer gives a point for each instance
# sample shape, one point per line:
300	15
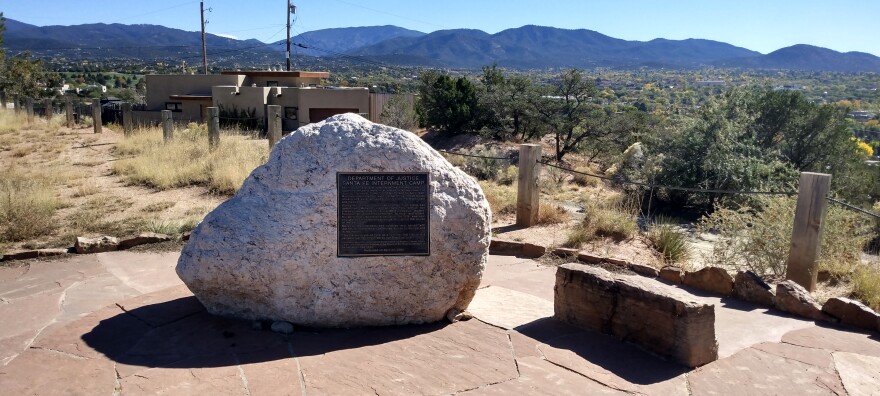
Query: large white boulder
270	252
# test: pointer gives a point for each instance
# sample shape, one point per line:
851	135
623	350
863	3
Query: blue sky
762	26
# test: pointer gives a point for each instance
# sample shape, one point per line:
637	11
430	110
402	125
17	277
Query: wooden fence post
274	125
167	126
96	115
806	235
127	126
213	127
16	104
50	108
527	198
30	110
68	111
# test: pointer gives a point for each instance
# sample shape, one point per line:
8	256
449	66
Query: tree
23	75
399	112
505	106
447	105
565	107
759	140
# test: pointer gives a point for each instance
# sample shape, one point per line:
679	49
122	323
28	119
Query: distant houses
303	97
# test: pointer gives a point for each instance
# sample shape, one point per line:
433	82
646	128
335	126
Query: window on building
271	83
291	112
174	106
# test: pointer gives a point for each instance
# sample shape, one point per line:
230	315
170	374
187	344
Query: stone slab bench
655	316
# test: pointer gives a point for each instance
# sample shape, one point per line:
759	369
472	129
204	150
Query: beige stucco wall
248	98
282	81
161	86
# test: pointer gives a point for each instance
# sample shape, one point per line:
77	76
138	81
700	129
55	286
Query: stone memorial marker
349	223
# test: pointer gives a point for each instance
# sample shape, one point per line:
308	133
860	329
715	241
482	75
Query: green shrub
670	241
759	239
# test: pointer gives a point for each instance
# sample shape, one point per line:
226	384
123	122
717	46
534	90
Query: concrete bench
658	317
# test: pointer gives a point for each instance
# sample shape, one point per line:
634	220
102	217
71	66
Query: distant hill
117	40
810	58
339	40
538	46
524	47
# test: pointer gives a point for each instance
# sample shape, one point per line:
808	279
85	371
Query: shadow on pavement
181	334
622	359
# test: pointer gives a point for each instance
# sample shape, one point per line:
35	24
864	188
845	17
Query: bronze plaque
383	214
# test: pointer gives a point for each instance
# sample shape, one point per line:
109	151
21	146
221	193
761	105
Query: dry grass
502	199
866	285
552	214
27	205
583	180
186	160
611	219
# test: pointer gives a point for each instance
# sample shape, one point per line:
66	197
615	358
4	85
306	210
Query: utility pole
291	9
204	45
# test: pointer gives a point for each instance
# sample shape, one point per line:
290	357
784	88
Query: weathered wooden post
30	110
16	104
68	111
213	127
273	122
806	235
527	198
96	115
127	123
167	126
50	108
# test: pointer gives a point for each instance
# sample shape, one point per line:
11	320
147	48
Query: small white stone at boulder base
270	252
282	327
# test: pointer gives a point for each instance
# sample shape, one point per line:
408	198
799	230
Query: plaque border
427	209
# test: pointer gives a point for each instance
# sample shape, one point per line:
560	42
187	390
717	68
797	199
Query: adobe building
301	94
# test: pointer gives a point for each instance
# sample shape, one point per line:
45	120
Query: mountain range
526	47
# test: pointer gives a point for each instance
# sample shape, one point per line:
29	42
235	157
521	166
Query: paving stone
106	332
834	339
539	377
145	273
526	338
201	334
860	374
266	374
30	315
46	372
815	357
754	372
852	313
214	375
749	287
91	295
9	274
426	359
166	306
710	279
508	308
50	276
618	365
